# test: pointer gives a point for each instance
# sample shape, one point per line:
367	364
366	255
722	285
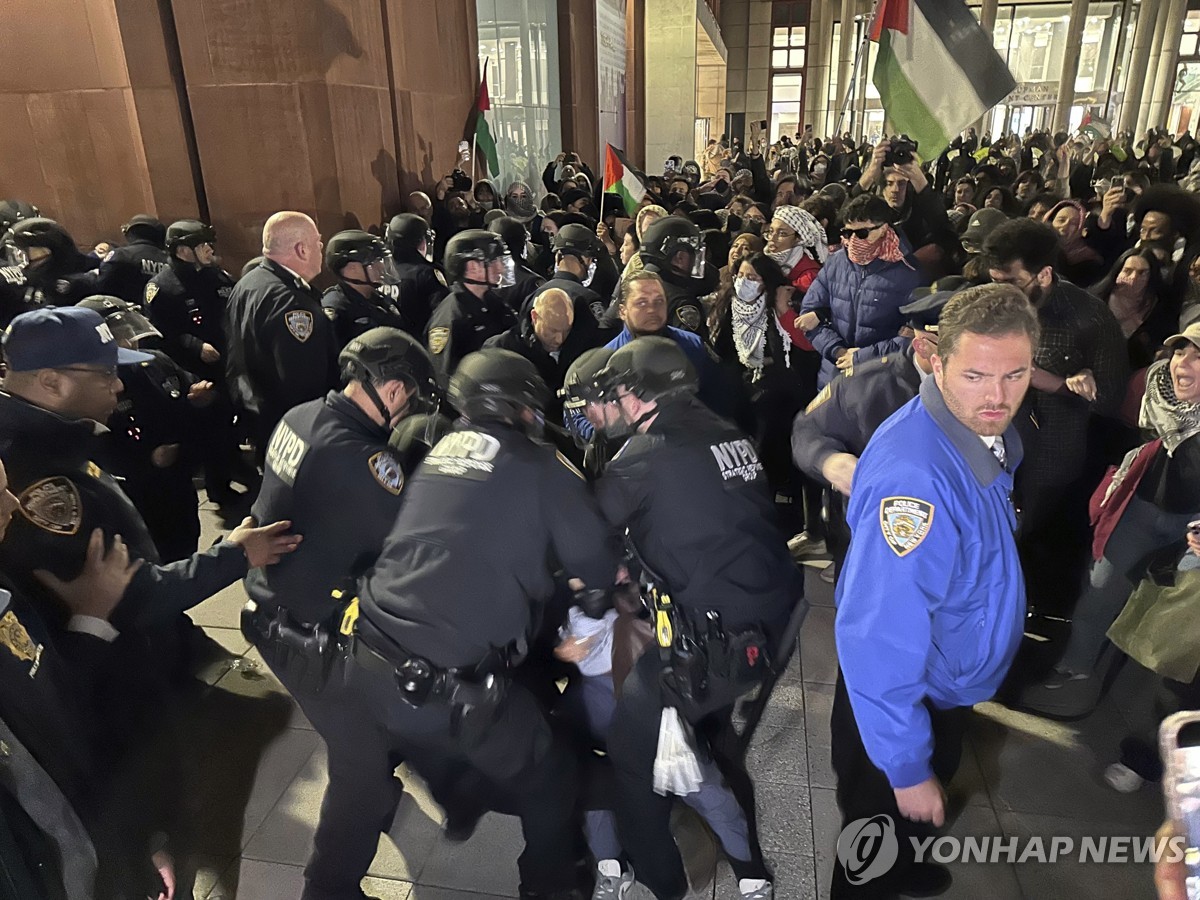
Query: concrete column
987	18
1070	68
817	78
846	66
825	36
1139	61
1168	62
1156	46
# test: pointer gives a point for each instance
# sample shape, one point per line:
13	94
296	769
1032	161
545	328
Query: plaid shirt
1078	332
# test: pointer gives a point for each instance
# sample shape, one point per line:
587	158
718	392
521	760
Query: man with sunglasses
858	293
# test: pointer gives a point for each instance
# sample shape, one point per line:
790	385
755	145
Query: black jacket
417	287
188	305
281	345
584	335
126	271
329	471
461	324
487	520
351	313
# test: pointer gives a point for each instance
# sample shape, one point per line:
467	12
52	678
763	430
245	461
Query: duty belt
420	681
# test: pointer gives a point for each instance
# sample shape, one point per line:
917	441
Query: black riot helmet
388	354
38	232
668	235
189	233
353	245
406	231
474	244
652	369
577	240
583	383
124	319
416	435
145	227
514	235
13	211
497	385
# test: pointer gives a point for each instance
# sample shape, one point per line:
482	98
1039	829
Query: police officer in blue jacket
330	471
931	601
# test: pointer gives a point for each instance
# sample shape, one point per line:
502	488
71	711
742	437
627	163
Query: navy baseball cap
61	337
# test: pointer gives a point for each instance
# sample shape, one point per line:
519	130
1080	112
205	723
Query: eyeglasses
107	373
779	233
861	233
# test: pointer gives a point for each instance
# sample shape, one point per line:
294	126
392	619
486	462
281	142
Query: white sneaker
1121	778
612	883
756	889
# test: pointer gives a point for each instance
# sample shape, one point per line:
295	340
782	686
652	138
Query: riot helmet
37	232
498	385
124	320
145	227
669	235
483	247
388	354
355	246
406	231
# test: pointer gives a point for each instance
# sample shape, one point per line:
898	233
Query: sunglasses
861	233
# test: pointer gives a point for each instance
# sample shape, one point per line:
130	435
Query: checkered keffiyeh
812	236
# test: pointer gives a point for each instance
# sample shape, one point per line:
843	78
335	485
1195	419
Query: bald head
420	204
553	315
291	239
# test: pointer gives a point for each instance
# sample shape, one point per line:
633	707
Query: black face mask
676	197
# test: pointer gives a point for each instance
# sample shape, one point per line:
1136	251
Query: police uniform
281	345
125	271
463	574
685	309
587	303
462	323
329	470
351	313
694	497
17	295
416	286
930	610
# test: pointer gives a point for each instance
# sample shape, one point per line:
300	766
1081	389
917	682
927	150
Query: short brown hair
636	278
989	309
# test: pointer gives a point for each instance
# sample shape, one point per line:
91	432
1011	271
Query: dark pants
362	794
644	817
531	772
863	790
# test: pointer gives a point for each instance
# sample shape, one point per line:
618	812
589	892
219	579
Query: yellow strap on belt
349	617
662	619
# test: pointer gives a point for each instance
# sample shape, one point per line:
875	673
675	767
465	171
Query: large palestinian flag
624	180
937	71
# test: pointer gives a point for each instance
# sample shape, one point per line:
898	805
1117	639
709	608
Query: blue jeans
1142	529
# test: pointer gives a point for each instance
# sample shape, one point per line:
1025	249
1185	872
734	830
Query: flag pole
475	134
859	60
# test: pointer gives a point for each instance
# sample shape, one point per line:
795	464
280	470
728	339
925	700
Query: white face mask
746	289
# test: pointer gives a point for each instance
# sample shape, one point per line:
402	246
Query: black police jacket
126	271
487	519
64	280
527	284
152	411
685	309
417	287
65	494
16	294
694	496
351	313
330	472
187	305
583	336
460	325
588	304
842	418
281	345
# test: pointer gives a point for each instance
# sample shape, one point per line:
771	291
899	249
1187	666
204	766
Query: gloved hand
594	603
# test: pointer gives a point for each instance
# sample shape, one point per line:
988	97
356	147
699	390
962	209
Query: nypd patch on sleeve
905	522
387	471
300	323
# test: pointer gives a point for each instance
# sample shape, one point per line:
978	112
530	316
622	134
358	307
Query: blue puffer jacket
860	307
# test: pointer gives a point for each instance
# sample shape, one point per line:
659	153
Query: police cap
651	368
494	384
14	211
926	303
472	244
388	354
353	245
190	233
124	319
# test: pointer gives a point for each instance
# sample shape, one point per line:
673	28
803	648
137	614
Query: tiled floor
258	790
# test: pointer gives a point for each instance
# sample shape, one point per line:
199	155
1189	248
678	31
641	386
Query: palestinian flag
624	180
1095	128
937	71
484	142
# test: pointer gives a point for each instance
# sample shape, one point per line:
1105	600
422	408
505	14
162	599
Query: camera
459	180
900	153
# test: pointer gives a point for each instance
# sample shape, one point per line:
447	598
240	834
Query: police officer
125	271
53	266
525	280
281	345
450	604
931	603
693	495
478	263
587	414
13	211
149	433
672	247
186	303
576	254
330	472
411	278
357	302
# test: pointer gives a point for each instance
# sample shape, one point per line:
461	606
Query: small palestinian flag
937	71
484	142
622	179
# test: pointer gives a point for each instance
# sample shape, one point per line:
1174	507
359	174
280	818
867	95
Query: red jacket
801	277
1105	516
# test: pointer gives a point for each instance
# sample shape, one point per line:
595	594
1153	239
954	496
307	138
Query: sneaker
829	573
805	549
756	889
1121	778
1064	695
611	882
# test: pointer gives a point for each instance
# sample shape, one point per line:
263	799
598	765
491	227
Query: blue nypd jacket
931	601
